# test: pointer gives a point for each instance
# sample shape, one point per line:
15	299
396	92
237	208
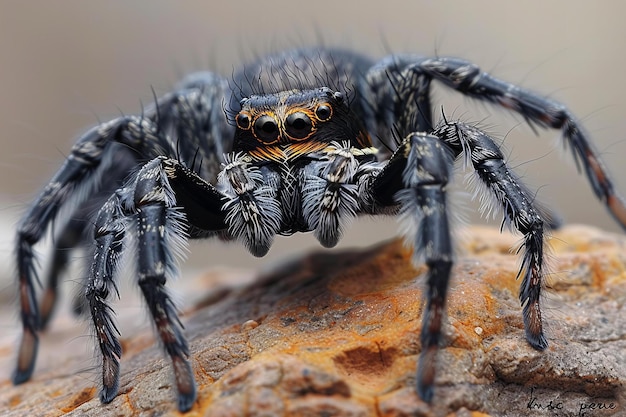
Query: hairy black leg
469	79
423	163
160	227
396	98
84	161
519	211
70	236
76	233
109	231
194	118
146	206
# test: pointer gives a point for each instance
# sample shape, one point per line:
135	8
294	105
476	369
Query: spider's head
295	117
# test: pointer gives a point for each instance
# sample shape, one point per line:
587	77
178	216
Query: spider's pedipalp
252	211
330	194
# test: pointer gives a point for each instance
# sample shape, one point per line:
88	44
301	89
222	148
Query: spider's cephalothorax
295	157
306	144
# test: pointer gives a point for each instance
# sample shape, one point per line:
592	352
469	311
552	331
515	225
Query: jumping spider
300	141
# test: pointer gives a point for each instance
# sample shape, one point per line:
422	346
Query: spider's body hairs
301	141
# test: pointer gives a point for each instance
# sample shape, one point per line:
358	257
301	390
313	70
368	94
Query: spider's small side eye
298	125
266	129
243	121
338	96
323	112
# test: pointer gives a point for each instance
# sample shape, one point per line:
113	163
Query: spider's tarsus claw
21	376
110	378
186	400
538	342
617	208
425	389
425	392
532	318
26	358
425	385
185	383
107	394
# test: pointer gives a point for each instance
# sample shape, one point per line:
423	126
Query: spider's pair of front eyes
298	125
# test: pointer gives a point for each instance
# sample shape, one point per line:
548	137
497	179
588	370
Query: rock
336	334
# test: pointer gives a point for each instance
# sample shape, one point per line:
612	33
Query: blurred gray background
65	65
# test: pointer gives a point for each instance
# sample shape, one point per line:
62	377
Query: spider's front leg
416	177
148	208
98	164
88	157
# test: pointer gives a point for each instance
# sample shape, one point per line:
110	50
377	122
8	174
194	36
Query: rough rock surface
336	334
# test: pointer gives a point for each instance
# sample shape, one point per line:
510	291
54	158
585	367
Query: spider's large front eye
298	125
266	129
243	121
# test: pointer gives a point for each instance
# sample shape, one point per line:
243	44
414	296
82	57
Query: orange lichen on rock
79	399
337	334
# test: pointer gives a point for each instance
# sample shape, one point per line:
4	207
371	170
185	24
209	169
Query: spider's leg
193	117
519	211
109	232
150	208
469	79
79	167
76	231
160	229
416	177
68	239
396	100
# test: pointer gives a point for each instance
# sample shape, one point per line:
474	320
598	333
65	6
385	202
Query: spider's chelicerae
301	141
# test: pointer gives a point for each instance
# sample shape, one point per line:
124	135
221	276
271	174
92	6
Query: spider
300	141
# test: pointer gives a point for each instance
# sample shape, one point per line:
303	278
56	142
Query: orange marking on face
282	153
268	153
